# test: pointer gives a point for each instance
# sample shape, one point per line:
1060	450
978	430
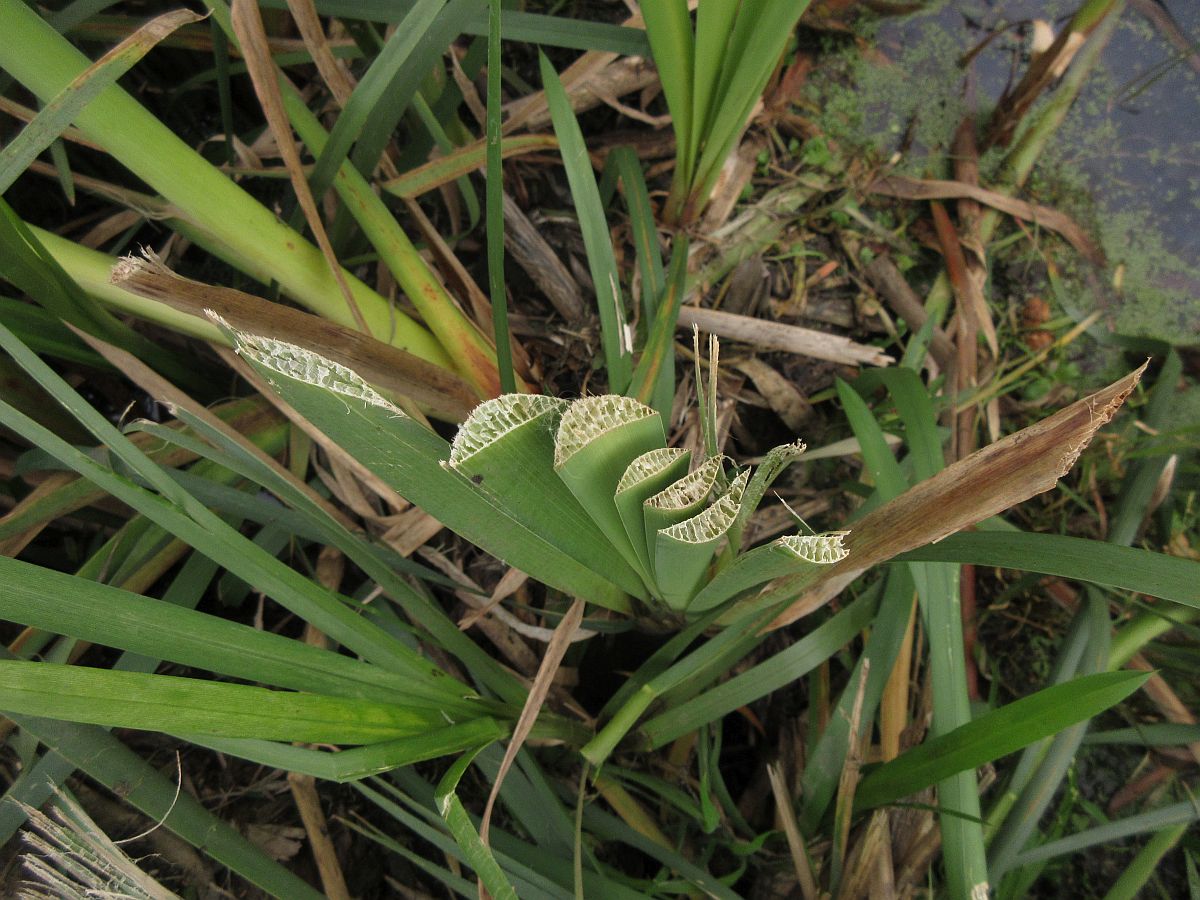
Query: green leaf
787	555
681	500
1182	813
372	89
180	705
1098	562
684	551
615	336
669	30
409	457
478	854
56	115
505	449
996	734
770	675
99	613
596	441
359	762
825	762
646	476
183	516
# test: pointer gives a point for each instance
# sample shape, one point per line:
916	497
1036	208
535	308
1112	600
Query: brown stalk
987	482
1043	71
869	871
791	829
248	23
848	784
444	394
893	706
971	303
332	70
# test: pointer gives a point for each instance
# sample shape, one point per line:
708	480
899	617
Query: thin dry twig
791	829
891	284
555	650
766	335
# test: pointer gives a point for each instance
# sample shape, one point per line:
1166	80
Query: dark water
1131	143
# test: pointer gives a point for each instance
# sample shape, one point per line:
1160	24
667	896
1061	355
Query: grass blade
181	705
781	669
56	115
824	766
669	30
371	90
996	734
478	855
1183	813
495	204
618	345
106	615
1099	562
360	762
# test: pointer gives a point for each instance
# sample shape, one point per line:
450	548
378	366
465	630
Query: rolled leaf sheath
646	476
224	218
684	551
596	441
506	450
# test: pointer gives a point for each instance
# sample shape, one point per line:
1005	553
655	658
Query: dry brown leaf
787	814
555	651
784	398
987	482
1044	216
333	71
248	23
442	393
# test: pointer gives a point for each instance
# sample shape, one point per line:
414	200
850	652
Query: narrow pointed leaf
996	734
180	705
788	555
409	457
359	762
